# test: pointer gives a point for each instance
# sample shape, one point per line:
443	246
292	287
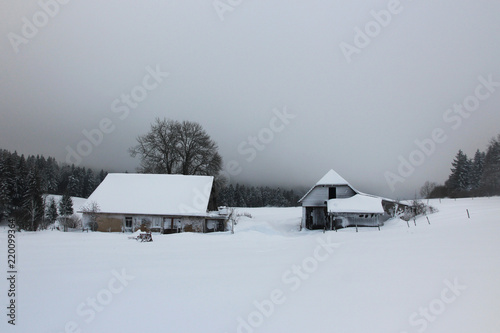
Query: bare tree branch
174	147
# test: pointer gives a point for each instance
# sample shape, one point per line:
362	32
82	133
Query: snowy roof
332	178
358	203
147	194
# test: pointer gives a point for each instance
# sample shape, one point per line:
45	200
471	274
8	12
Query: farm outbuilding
334	203
162	203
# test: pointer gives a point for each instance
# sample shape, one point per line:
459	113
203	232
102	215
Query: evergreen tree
278	200
66	205
88	184
460	174
64	173
51	214
41	165
30	162
51	174
240	196
33	201
19	189
267	196
102	175
477	170
65	212
74	186
439	191
291	198
7	185
231	197
490	180
251	196
54	179
253	199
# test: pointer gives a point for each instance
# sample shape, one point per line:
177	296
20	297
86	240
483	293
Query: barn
333	203
162	203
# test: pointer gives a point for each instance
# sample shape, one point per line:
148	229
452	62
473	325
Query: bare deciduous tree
92	211
174	147
427	189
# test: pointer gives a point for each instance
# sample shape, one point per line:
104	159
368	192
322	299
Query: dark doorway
316	217
332	193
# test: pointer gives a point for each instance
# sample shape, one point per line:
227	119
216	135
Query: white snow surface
126	193
358	203
438	277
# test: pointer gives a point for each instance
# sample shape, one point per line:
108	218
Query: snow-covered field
267	277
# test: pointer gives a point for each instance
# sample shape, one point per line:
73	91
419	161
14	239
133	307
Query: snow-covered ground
267	277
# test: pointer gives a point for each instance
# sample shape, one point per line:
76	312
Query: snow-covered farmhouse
334	203
163	203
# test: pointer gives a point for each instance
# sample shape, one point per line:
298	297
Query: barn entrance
316	217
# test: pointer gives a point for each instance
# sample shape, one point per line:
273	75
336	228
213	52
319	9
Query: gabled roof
358	203
147	194
331	178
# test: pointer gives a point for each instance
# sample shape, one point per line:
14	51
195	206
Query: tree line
25	180
260	196
477	176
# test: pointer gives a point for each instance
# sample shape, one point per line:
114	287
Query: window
332	193
128	222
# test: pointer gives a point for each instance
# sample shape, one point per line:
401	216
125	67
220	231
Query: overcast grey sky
356	102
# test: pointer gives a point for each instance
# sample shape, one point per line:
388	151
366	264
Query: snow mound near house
358	203
269	221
